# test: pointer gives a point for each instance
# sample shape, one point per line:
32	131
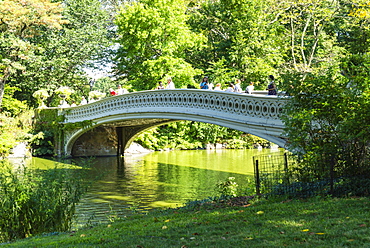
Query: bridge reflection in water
127	115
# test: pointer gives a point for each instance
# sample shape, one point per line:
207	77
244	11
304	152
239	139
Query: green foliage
65	91
153	38
323	126
13	130
47	130
20	24
300	190
60	55
10	105
34	202
228	187
193	135
328	78
104	84
342	187
42	143
221	73
242	35
8	139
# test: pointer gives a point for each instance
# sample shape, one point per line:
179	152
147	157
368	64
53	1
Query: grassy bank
297	223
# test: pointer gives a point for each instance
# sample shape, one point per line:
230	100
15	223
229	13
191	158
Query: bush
13	130
228	187
35	201
44	133
301	189
10	105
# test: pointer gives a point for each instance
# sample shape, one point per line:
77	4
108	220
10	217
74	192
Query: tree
242	35
20	21
329	89
63	54
103	84
193	135
153	39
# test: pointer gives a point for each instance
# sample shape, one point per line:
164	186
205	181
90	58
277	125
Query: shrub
35	201
10	105
13	130
228	187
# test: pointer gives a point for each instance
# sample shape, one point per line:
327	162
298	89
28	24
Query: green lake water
158	180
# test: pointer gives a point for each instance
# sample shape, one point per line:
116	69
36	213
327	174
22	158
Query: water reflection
160	179
155	180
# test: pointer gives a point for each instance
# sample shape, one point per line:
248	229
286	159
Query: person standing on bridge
83	101
160	86
210	85
230	88
121	91
218	87
237	87
272	86
204	84
250	88
170	84
112	92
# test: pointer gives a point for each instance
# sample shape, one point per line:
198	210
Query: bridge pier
99	141
104	141
124	135
107	140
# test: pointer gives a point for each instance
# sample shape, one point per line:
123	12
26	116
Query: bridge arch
135	112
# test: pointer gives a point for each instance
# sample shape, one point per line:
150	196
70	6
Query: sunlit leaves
153	38
61	54
241	35
21	20
24	17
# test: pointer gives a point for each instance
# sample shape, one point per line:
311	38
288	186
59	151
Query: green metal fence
270	170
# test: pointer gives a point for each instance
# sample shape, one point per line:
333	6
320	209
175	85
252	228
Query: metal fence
277	174
270	170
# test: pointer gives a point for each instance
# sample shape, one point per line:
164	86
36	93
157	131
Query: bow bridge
117	120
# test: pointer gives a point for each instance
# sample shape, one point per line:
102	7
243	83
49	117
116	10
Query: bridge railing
212	103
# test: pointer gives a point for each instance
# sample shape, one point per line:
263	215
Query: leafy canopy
154	39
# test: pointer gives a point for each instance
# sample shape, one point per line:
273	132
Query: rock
136	148
19	151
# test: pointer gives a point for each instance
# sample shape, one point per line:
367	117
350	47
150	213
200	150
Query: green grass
263	223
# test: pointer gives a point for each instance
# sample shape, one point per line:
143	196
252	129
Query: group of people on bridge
232	87
205	84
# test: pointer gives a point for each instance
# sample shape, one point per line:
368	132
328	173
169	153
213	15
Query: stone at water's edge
136	148
19	154
20	151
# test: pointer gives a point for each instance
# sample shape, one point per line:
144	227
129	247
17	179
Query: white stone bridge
119	119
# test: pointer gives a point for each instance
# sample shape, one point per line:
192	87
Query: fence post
331	174
257	175
286	175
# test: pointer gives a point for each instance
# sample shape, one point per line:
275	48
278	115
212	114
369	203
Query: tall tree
242	35
153	39
326	73
20	21
63	54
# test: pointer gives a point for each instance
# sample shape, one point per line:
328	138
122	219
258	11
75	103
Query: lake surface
159	180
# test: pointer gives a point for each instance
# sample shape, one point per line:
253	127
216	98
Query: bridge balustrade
187	100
